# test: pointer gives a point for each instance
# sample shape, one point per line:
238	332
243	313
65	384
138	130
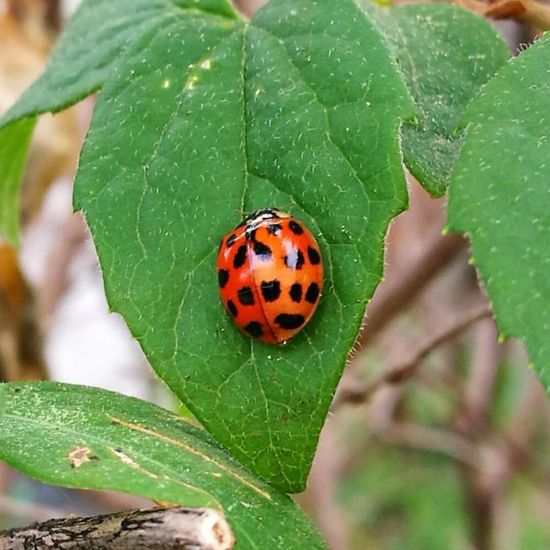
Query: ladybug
270	275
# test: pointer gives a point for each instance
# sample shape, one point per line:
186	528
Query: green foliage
14	144
203	117
279	112
405	499
76	69
446	54
90	438
499	197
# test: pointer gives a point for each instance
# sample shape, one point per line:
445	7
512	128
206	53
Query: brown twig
432	439
48	11
478	392
249	7
407	369
438	252
525	10
155	529
52	14
55	284
320	497
482	483
21	355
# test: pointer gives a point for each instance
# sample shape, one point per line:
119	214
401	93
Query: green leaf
97	35
446	54
83	58
83	437
14	144
499	196
209	118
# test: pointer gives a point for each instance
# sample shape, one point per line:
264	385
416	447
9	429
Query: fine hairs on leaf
446	55
499	196
312	106
276	112
103	440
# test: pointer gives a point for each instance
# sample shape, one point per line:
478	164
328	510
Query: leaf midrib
107	443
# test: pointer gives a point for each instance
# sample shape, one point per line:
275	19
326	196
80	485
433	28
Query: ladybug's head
265	214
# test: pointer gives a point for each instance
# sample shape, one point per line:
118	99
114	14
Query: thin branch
52	14
479	389
432	439
437	254
155	529
404	371
249	7
47	11
320	498
525	10
56	276
482	484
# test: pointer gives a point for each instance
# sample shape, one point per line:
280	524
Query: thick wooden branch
154	529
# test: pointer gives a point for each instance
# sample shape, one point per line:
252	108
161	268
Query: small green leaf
210	118
500	197
83	437
95	37
92	41
446	54
14	144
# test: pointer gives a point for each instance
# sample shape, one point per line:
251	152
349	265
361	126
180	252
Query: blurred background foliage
439	434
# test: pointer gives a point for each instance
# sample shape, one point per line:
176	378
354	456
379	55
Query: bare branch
431	439
532	11
407	369
56	275
155	529
479	389
438	252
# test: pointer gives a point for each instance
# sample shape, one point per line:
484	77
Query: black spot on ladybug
312	293
313	256
246	297
232	308
296	228
294	260
262	251
289	321
223	277
274	229
231	240
240	257
254	329
296	292
271	290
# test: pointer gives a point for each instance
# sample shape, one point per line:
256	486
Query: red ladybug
270	274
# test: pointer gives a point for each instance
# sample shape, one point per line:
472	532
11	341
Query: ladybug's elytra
270	275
